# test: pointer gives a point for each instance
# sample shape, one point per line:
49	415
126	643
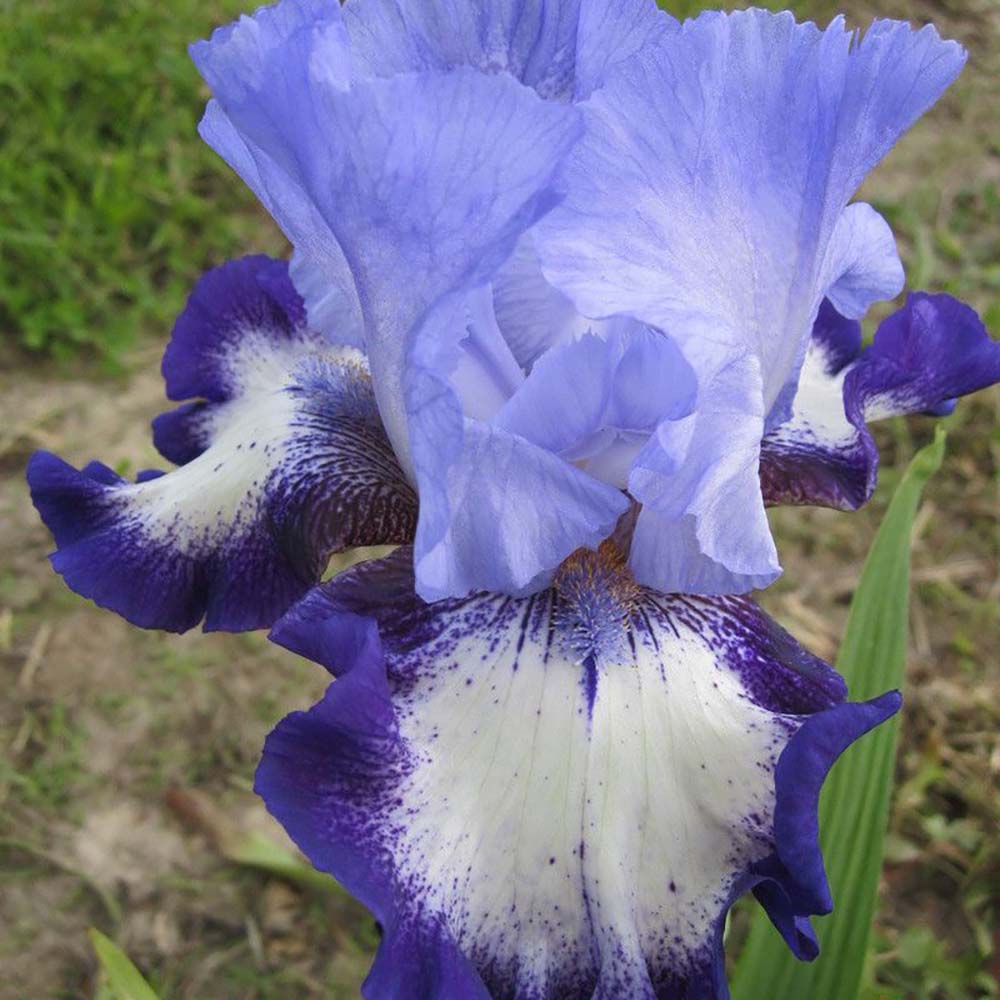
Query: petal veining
709	199
924	356
557	796
707	195
284	462
403	188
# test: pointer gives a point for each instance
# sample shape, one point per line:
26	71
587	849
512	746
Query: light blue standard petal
284	461
496	510
263	65
708	200
863	265
717	164
611	33
703	528
924	357
534	41
437	178
332	308
532	315
563	49
596	400
406	163
422	182
559	795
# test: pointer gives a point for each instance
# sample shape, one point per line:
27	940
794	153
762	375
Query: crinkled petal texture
562	49
406	150
708	199
283	461
419	183
924	356
558	796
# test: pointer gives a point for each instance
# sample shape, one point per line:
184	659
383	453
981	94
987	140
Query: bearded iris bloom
575	293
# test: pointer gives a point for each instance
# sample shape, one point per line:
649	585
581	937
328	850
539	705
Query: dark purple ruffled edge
248	580
925	356
102	555
252	292
353	731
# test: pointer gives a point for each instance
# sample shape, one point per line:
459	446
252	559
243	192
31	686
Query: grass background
109	204
126	757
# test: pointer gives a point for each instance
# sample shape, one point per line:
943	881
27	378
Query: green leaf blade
124	980
854	809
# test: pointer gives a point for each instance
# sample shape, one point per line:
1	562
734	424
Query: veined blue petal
532	315
484	372
495	509
702	528
559	795
421	183
533	41
270	134
332	308
285	462
708	191
613	32
587	399
424	166
709	199
563	49
863	265
924	356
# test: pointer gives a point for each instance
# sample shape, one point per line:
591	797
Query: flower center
596	596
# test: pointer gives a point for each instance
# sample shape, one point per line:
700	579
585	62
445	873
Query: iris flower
575	293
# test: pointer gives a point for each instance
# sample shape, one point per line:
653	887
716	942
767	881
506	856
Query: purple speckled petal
924	356
558	795
285	462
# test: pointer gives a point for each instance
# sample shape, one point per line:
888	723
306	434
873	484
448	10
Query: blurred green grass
110	205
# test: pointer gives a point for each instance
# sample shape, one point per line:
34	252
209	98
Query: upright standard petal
561	795
703	528
708	195
428	178
924	356
562	49
533	41
284	461
596	399
419	184
496	509
611	33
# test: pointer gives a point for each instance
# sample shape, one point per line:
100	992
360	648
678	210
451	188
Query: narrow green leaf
123	978
257	851
854	808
